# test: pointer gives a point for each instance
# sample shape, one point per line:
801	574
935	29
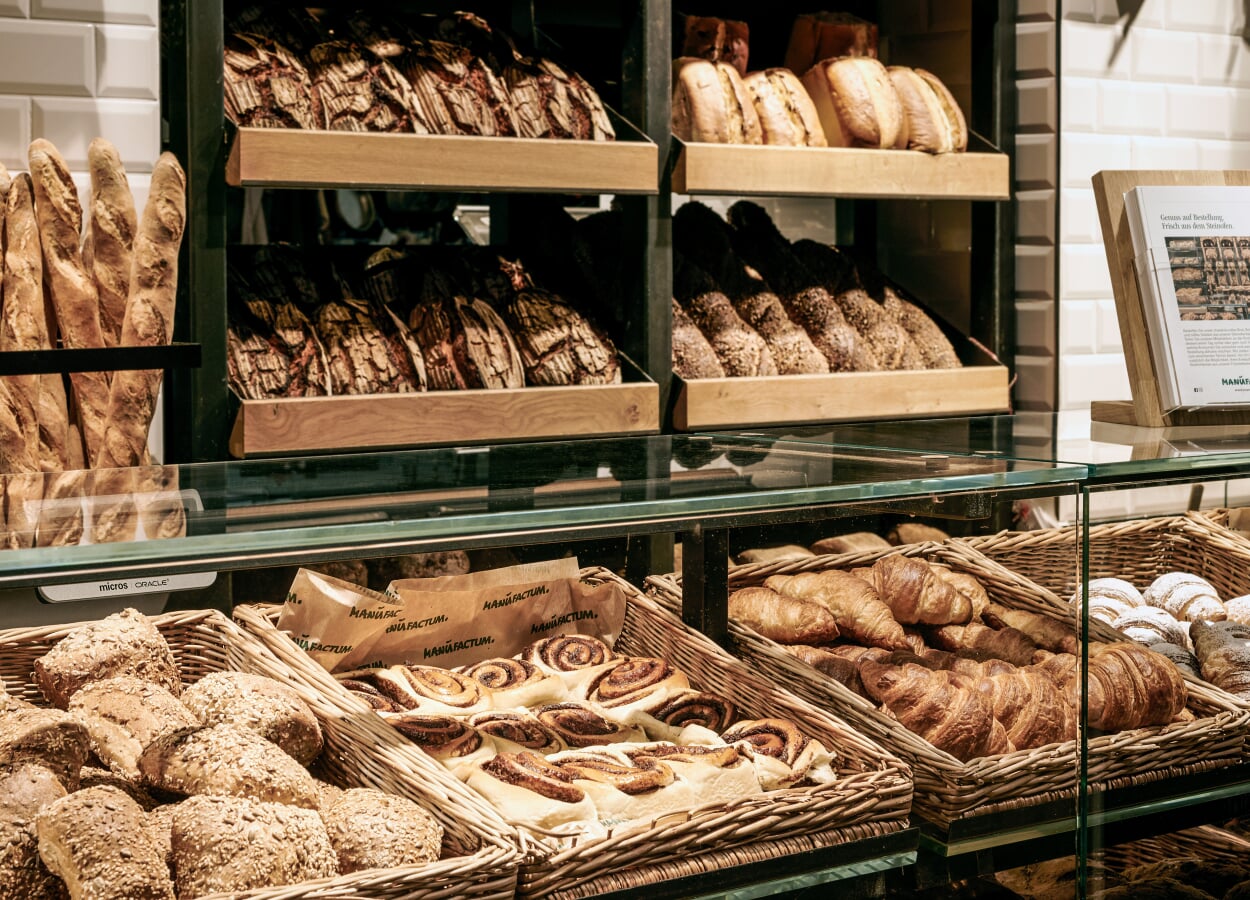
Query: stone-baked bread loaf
712	105
933	121
857	102
369	829
787	115
48	737
95	840
125	643
236	844
225	760
123	715
267	707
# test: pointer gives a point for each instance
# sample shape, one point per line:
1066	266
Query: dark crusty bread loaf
228	844
717	40
934	346
226	760
712	105
125	643
369	829
458	91
48	737
123	715
267	86
267	707
363	92
825	35
362	359
552	102
739	348
272	347
95	840
788	118
693	356
857	102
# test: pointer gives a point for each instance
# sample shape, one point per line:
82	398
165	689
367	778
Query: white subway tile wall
1036	186
1169	88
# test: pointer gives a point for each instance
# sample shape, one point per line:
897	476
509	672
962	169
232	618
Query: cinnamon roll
527	790
443	691
623	790
579	725
573	657
369	692
697	708
782	755
717	774
637	683
455	744
515	730
516	682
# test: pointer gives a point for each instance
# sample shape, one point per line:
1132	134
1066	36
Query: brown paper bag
329	617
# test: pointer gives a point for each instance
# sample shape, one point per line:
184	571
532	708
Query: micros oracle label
126	587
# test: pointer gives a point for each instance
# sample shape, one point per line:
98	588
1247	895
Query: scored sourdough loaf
712	105
787	115
857	102
933	121
266	85
70	285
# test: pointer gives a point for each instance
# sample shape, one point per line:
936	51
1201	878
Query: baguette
149	314
111	235
54	431
73	292
23	326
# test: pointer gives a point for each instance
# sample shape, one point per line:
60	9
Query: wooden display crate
428	418
292	157
746	170
981	386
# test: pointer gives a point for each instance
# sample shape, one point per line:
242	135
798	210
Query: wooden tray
293	157
982	386
429	418
745	170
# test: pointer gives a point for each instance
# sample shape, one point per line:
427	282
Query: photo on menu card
1191	249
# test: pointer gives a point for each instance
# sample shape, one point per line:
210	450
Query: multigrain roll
94	776
225	760
24	791
123	715
236	844
369	829
125	643
97	842
267	707
48	737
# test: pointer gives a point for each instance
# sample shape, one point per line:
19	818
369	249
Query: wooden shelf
746	170
430	418
289	157
714	403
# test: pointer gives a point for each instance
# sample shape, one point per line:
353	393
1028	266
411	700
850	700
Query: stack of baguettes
386	71
112	286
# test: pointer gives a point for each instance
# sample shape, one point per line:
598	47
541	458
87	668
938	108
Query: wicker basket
872	798
478	859
948	790
1205	842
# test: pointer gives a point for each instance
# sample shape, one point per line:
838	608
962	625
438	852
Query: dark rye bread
363	358
757	240
552	102
693	356
266	85
889	341
739	348
705	238
272	348
360	91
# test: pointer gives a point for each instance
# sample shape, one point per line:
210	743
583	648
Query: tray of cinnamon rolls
624	764
970	673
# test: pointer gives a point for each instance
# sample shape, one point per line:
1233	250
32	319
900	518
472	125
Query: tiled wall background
74	69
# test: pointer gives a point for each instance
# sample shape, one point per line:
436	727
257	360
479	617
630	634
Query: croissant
860	614
1005	643
1031	708
856	654
836	667
1058	667
781	618
966	662
1130	686
966	585
954	719
916	594
1048	633
854	542
915	640
1223	651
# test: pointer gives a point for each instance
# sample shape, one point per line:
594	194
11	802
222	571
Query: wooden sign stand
1144	409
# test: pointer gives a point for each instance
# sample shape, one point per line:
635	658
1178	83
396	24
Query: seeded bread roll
369	829
712	105
236	844
48	737
123	715
857	102
225	760
93	776
787	115
95	840
24	790
125	643
159	823
267	707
